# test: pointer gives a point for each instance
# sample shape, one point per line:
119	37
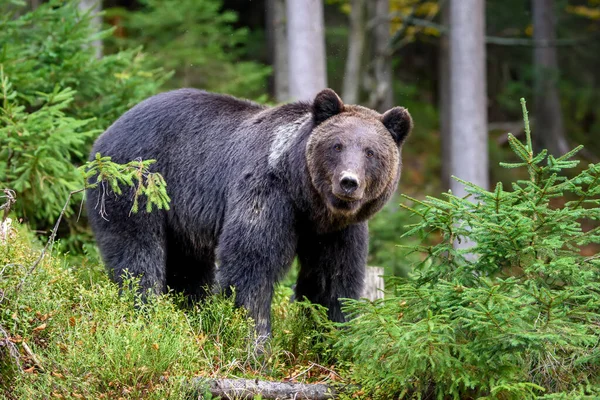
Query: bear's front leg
332	266
256	247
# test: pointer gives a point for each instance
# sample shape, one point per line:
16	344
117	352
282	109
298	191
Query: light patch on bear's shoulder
283	138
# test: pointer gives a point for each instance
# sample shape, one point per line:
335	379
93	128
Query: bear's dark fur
251	187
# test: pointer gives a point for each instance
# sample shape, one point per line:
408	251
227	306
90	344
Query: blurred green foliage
197	40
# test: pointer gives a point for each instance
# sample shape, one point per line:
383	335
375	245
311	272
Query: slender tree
468	114
356	48
277	40
381	82
94	6
444	97
306	48
547	111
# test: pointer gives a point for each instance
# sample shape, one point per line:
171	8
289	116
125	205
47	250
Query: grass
88	341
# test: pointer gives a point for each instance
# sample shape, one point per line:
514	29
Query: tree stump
374	283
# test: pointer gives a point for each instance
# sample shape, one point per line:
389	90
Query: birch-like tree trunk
277	40
96	21
549	126
356	49
306	48
381	95
444	98
468	113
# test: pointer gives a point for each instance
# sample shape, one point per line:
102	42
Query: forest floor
67	332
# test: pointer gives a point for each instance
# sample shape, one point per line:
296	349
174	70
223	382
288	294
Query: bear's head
353	153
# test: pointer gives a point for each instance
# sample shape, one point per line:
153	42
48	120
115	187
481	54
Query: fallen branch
248	388
31	354
10	197
12	349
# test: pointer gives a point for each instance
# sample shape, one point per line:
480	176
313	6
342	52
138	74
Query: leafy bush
516	315
37	149
55	97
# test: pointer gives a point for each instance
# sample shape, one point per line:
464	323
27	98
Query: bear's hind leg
141	257
194	275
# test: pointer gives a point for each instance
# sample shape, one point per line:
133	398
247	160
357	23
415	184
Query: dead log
248	388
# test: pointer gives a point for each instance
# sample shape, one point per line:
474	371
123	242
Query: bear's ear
326	105
399	122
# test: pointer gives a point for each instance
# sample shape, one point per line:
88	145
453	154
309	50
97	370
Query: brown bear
251	188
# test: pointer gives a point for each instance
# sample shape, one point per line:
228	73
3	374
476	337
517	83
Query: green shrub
514	316
51	47
37	149
55	97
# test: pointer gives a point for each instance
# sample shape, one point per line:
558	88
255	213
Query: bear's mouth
346	197
343	204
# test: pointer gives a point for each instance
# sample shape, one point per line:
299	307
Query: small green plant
102	172
515	316
37	149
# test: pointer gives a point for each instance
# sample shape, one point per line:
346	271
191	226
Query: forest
489	248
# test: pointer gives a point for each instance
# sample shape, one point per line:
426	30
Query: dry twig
50	240
12	349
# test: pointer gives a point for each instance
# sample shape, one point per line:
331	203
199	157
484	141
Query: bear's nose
349	184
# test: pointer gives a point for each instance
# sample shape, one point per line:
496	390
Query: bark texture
306	48
356	49
381	95
374	283
96	22
468	113
277	41
549	125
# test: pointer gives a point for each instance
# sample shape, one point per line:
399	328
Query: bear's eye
337	147
370	153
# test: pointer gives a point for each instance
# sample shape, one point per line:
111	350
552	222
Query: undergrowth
514	316
89	341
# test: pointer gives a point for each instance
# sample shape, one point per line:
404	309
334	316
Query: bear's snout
348	186
349	183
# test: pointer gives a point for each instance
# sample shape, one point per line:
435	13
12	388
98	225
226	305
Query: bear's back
172	121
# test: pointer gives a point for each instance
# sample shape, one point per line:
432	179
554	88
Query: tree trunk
306	48
468	114
549	126
277	40
95	22
356	48
444	98
381	91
